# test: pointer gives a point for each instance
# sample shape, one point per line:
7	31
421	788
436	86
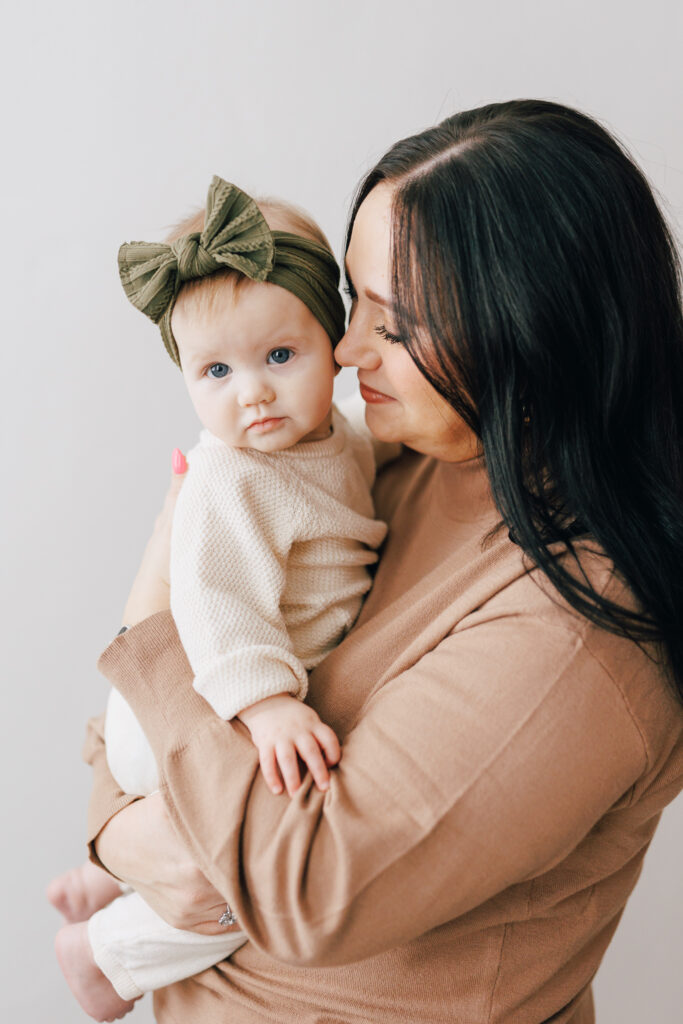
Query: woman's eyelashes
387	335
381	329
349	290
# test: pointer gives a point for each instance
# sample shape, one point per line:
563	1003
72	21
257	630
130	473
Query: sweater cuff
106	798
147	664
232	682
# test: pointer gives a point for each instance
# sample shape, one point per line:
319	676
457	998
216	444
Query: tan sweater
503	770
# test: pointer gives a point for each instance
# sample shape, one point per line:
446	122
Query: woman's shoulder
637	672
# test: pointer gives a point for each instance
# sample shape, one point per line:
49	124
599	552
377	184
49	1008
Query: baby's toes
67	895
57	895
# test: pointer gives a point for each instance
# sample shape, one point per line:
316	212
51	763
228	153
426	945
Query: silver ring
227	917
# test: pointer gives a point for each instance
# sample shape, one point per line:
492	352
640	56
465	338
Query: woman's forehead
369	253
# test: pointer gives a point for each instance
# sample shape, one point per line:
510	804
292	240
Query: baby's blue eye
218	370
280	355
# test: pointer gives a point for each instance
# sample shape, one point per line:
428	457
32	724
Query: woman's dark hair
537	288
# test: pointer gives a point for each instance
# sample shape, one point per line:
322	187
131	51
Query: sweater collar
463	491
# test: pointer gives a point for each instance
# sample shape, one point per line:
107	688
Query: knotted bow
235	235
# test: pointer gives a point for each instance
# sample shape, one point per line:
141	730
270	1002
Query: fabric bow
235	235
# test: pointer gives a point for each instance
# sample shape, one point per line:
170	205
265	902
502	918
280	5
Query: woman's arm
151	589
453	786
106	796
125	835
149	594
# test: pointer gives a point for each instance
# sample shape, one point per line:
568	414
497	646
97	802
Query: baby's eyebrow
208	356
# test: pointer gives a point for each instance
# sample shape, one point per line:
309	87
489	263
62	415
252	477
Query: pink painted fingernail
179	462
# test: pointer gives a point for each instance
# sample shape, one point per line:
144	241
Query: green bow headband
235	235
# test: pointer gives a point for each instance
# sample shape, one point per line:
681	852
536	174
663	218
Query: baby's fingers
289	765
311	754
269	768
327	739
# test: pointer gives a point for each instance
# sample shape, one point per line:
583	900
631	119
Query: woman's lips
372	396
263	426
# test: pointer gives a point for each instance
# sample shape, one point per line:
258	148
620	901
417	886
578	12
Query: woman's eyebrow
374	297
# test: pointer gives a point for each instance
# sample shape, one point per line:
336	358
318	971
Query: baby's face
258	366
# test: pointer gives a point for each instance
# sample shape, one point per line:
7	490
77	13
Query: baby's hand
282	727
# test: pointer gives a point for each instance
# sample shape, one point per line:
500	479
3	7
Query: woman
509	699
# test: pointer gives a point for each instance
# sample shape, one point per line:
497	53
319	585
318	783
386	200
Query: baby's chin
270	443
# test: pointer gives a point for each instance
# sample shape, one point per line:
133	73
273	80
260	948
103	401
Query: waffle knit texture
269	561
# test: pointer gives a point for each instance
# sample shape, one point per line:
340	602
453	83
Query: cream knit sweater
269	558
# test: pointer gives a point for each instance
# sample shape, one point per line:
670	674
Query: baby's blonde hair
279	216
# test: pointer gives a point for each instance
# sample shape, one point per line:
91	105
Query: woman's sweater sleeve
518	743
106	796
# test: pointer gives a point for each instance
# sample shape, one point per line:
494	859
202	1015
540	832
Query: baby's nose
254	390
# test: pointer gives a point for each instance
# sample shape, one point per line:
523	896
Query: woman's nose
254	390
358	348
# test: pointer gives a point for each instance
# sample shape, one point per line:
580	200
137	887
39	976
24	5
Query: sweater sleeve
232	532
519	742
106	796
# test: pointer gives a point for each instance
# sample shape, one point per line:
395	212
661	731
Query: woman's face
400	404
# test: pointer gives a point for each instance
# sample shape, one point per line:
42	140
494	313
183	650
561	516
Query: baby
272	537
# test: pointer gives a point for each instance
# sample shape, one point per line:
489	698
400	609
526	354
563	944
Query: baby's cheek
322	407
324	389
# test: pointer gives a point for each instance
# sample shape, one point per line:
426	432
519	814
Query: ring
227	917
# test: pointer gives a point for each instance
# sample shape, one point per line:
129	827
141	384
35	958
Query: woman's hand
151	587
140	846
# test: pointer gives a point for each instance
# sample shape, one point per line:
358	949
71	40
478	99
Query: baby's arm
234	526
282	727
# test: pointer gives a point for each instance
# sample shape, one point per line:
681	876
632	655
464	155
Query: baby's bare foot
78	893
94	992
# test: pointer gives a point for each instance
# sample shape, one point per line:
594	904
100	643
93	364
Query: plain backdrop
115	117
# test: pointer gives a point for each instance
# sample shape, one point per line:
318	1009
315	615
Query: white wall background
115	116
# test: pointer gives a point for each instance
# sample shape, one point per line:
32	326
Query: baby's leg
95	993
78	893
138	952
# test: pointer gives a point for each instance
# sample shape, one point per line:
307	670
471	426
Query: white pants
138	952
133	947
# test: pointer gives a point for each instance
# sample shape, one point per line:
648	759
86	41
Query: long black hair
537	288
